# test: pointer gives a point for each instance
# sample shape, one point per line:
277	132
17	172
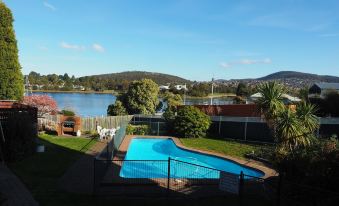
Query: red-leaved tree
44	103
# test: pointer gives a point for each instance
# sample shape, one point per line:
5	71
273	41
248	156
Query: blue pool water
185	164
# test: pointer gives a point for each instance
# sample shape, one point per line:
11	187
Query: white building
287	97
163	87
180	87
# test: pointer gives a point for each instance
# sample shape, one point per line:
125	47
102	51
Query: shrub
191	122
316	165
137	129
116	109
67	112
169	116
239	100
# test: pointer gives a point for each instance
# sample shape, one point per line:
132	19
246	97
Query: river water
96	104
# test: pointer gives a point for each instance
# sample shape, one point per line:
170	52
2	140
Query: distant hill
129	76
291	79
299	75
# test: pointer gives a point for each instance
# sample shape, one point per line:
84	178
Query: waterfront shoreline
80	92
213	96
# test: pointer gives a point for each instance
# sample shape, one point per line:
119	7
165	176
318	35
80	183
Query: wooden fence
87	123
90	123
18	130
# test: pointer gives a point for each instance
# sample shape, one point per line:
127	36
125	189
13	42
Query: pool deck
269	172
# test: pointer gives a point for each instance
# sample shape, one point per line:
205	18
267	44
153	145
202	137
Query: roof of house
325	85
286	96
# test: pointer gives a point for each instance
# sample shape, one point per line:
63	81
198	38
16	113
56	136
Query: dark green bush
316	165
116	109
67	112
191	122
169	116
137	129
239	100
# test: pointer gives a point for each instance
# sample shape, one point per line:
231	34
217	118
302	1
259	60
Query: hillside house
321	89
180	87
164	87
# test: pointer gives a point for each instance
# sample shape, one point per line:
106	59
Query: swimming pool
183	164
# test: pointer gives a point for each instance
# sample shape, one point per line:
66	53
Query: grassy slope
226	147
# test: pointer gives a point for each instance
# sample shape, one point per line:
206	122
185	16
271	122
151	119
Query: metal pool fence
157	177
252	129
112	146
156	123
176	178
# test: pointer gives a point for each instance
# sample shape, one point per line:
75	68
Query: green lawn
41	172
222	146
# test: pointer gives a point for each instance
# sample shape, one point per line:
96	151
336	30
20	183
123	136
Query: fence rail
252	129
160	177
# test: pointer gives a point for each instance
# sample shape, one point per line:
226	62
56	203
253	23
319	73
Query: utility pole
27	86
185	95
212	90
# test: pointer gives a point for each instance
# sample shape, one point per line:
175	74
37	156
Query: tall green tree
141	97
11	78
242	89
116	109
172	99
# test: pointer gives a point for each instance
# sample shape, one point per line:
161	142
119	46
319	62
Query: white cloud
98	48
225	65
330	35
246	62
249	61
72	46
50	6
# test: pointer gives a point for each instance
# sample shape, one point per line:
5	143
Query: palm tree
291	128
306	115
290	131
270	103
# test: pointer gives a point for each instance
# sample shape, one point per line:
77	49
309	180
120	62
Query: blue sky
194	39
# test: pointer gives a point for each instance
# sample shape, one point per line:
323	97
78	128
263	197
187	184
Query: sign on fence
229	182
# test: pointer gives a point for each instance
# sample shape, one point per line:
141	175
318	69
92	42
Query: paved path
13	190
79	177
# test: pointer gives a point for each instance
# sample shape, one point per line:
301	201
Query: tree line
114	81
